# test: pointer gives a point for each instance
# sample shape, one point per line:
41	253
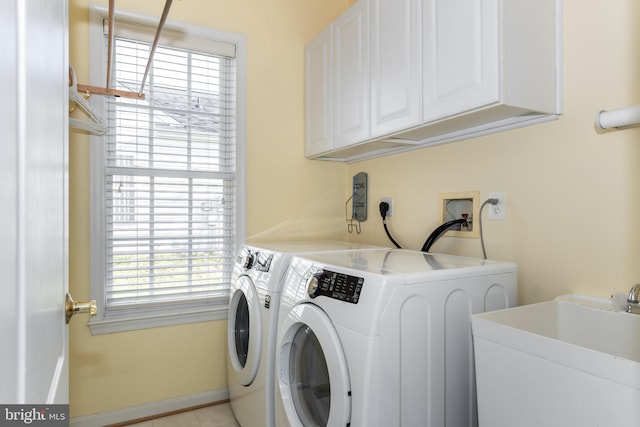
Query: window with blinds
169	180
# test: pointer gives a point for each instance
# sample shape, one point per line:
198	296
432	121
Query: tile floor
211	416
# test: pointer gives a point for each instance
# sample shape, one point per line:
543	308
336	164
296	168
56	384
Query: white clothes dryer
253	315
383	338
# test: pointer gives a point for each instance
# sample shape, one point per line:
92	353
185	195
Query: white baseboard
150	409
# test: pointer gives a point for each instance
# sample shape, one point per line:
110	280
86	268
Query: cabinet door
396	55
318	113
461	56
351	81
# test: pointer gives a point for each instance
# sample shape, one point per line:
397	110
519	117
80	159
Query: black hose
439	231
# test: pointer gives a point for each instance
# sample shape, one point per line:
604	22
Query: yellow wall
573	194
305	199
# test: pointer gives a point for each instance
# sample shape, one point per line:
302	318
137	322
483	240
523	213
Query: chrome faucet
634	299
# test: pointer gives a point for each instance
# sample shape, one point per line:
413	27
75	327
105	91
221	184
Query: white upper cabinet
351	81
461	56
489	53
337	83
427	72
318	100
396	76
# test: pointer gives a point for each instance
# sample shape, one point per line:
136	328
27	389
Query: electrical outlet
389	201
498	212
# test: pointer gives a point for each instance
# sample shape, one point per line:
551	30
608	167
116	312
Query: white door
461	56
351	81
313	377
33	196
318	94
396	76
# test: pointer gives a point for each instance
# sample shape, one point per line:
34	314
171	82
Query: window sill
135	322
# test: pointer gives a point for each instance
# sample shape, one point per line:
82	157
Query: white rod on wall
622	118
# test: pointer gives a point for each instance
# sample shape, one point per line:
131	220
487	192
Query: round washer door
313	376
244	332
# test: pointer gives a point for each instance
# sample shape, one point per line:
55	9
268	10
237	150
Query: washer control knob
246	261
313	284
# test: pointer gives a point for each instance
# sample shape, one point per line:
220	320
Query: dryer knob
246	261
313	284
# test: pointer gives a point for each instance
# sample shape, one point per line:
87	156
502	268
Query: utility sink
574	361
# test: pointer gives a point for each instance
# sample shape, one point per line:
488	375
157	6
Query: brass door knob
72	307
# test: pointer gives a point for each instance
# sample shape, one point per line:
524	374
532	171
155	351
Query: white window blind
169	180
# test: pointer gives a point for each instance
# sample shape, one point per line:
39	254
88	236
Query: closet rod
163	19
113	92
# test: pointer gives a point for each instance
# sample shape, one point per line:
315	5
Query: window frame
141	318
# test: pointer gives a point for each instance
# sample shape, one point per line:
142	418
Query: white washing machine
383	338
253	315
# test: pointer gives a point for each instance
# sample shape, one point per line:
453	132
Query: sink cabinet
574	361
411	73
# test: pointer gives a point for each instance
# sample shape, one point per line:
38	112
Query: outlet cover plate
498	212
389	201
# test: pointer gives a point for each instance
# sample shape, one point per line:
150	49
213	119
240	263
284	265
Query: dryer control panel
260	261
335	285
